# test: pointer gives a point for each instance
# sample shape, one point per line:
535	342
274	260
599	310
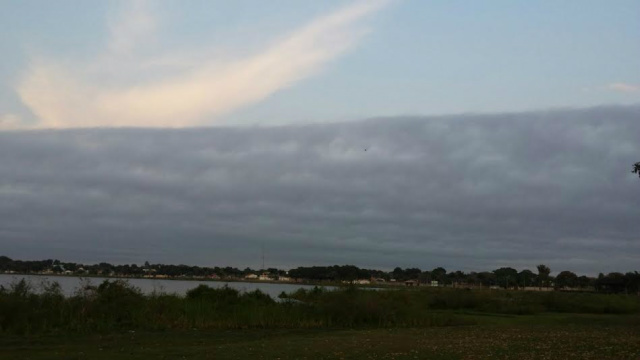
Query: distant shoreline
331	284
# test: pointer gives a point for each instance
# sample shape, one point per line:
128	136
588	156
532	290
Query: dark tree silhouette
636	168
543	274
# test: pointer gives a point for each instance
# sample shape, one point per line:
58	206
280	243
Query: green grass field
542	336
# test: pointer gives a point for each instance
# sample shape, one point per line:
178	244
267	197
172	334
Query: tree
611	283
457	277
413	273
57	268
5	263
472	278
439	274
398	274
543	274
425	277
566	279
506	276
636	168
632	280
487	278
585	282
526	278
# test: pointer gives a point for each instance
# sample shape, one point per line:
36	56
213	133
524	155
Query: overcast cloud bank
469	192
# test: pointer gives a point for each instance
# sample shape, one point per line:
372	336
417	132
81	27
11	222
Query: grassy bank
116	306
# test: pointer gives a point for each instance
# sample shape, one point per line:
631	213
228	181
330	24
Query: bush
223	295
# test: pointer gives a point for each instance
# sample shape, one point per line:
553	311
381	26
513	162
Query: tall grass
117	306
528	303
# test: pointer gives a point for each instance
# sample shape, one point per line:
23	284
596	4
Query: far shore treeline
505	277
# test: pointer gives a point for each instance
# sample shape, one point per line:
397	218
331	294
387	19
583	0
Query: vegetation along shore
115	319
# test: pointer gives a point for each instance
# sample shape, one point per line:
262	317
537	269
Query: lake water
70	284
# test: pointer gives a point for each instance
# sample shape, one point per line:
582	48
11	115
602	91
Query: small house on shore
264	277
411	283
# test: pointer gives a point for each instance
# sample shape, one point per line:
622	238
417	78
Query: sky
496	134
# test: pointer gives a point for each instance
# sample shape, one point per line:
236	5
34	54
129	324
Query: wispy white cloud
135	24
73	95
623	87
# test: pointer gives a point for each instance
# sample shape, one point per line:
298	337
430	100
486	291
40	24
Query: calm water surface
70	284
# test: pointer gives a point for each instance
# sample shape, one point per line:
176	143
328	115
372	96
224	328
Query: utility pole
263	269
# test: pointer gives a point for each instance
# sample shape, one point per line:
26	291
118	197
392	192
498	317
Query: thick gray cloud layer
472	192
